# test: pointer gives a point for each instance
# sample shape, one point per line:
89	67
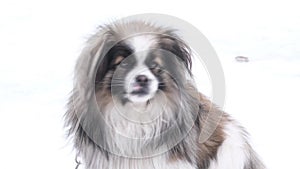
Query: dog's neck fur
135	130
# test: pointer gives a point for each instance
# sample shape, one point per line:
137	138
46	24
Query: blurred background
41	40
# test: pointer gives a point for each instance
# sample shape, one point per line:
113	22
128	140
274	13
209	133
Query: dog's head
139	66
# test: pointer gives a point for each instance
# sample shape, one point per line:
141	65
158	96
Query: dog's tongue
137	87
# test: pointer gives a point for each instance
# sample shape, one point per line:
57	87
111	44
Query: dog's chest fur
157	162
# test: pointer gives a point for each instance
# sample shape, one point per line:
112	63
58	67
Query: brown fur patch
208	149
118	60
158	60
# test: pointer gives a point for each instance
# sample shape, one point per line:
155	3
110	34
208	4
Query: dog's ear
174	44
93	63
101	57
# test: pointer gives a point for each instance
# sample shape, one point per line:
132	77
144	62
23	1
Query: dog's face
140	68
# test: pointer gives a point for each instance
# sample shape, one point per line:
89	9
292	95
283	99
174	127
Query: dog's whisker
111	83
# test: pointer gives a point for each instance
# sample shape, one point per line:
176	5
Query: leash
78	163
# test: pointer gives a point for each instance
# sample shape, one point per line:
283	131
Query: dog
134	106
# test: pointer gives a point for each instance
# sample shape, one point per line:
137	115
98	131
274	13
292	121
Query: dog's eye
124	64
153	65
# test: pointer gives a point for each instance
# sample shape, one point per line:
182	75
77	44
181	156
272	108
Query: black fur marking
117	50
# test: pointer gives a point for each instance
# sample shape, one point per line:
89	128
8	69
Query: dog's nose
142	80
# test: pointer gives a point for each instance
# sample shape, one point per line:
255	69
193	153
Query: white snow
40	42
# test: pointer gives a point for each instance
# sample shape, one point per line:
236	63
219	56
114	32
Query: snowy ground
40	41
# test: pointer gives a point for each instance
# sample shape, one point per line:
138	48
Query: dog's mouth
140	90
140	94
